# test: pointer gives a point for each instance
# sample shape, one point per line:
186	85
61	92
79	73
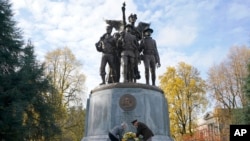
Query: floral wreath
130	135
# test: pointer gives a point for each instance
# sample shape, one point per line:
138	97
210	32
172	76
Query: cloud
238	10
190	31
177	37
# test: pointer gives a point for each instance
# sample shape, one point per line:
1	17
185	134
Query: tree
246	90
64	71
24	113
226	80
37	113
11	41
75	123
11	44
185	92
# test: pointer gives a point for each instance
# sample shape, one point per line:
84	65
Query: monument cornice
126	85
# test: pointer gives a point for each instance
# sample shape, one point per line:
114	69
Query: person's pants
112	137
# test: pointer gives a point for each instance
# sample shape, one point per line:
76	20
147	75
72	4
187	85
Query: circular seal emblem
127	102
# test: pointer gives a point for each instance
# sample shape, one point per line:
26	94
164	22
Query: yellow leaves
65	72
183	89
29	114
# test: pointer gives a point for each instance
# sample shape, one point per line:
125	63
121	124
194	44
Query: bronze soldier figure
117	62
129	46
117	57
106	45
132	19
150	55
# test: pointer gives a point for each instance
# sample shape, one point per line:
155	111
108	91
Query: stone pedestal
110	105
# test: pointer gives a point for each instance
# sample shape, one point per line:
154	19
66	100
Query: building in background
214	126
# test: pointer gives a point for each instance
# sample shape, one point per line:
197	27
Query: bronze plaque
127	102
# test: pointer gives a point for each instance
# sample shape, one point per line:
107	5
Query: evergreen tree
246	106
38	121
25	113
11	43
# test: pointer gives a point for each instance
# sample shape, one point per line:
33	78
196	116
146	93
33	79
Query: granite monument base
112	104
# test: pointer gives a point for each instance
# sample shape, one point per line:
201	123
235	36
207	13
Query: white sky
197	32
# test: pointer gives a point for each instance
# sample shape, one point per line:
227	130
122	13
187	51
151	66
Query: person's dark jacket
143	130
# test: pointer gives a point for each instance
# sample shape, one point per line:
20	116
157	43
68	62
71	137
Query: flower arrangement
130	136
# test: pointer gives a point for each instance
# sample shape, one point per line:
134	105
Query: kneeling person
117	132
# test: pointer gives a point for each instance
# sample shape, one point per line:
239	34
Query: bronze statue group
124	50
